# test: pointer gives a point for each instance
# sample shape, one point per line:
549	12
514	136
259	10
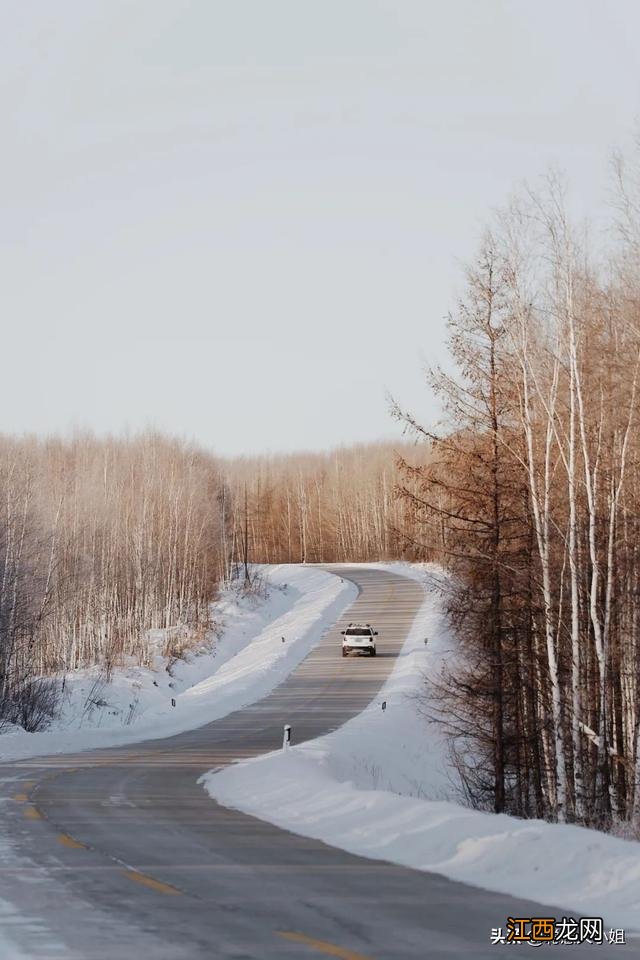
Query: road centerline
322	946
146	881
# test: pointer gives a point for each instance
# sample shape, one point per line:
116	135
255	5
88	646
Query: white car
359	637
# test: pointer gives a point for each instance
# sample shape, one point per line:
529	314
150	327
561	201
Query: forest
323	507
100	542
532	498
104	541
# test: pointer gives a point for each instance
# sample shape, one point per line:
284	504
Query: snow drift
243	664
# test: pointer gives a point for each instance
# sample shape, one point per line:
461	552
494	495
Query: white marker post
286	740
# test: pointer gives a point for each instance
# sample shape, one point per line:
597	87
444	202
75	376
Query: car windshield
358	632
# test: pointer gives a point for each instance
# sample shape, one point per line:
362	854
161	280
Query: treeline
101	541
321	507
532	499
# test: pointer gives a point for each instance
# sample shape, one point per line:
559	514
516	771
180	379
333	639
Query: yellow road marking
21	797
68	841
322	946
32	813
146	881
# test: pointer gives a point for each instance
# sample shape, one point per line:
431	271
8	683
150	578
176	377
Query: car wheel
372	652
344	652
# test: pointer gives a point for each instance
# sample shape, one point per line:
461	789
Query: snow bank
242	665
380	787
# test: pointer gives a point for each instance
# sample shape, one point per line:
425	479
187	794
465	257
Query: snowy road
120	852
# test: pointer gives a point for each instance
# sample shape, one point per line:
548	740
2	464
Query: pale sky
243	221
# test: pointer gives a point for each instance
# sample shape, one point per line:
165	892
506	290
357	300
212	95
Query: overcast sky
243	221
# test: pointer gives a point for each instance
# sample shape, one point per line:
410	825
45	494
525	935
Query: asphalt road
120	854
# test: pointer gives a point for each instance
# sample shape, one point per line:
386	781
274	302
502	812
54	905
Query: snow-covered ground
239	666
8	918
380	786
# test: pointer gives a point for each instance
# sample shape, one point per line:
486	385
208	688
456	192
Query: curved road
120	854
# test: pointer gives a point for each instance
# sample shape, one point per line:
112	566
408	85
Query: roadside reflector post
286	740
